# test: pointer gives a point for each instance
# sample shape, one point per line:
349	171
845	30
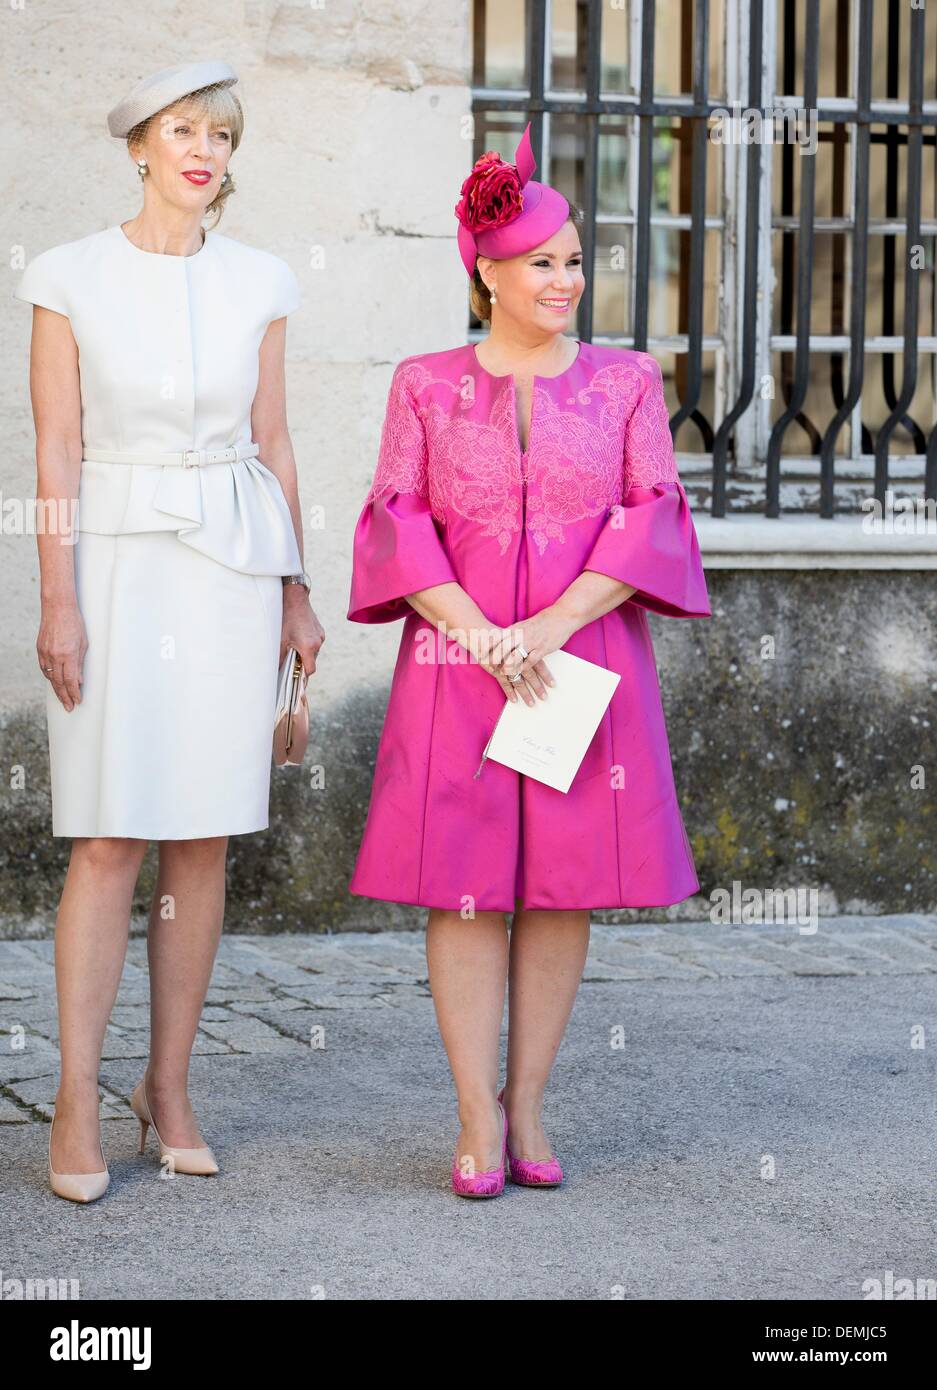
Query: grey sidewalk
742	1112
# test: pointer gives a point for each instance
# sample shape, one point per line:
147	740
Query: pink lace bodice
596	431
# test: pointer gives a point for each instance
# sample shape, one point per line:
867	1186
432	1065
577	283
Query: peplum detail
235	513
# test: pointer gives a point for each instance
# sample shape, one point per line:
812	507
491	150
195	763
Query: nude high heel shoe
529	1172
77	1187
198	1161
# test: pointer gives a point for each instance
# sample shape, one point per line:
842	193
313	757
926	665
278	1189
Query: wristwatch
299	579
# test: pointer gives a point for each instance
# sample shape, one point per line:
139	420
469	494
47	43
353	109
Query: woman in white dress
157	380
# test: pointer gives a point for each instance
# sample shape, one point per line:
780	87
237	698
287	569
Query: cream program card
548	741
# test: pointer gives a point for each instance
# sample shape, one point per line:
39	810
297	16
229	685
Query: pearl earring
225	177
141	168
493	297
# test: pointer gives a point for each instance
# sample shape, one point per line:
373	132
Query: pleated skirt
172	739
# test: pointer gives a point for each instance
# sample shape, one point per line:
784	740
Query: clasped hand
499	652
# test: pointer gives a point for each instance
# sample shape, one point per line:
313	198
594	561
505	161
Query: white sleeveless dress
178	569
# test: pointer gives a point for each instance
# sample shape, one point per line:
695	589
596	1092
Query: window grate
793	283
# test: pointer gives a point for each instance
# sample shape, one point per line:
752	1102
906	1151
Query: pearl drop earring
141	168
493	297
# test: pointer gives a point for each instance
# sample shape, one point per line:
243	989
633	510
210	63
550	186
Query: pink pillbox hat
502	212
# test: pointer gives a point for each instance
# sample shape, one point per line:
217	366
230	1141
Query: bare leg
90	945
548	953
468	963
182	940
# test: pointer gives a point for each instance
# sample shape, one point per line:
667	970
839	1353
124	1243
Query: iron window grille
761	376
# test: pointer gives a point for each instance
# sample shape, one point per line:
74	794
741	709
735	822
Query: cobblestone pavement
745	1112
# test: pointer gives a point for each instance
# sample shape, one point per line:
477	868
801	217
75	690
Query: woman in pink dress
525	500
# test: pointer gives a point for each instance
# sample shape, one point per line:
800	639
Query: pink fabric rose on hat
503	212
492	195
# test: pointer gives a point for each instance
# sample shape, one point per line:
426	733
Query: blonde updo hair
221	107
480	295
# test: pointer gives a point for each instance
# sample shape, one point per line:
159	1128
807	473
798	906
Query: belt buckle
190	458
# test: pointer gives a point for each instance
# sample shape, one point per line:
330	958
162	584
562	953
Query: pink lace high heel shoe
489	1183
526	1172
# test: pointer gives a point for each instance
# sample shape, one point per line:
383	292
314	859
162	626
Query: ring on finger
524	654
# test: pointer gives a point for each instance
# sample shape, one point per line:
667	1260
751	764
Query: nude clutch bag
291	724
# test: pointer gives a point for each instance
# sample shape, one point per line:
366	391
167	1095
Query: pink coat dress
455	499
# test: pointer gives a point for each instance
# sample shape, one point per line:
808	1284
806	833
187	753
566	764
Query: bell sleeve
42	283
397	548
649	540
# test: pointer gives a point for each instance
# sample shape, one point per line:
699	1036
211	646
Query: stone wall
797	715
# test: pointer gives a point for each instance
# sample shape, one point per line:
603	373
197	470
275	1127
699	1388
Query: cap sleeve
286	297
397	547
43	282
649	540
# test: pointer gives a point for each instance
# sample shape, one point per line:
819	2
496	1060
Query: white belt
187	458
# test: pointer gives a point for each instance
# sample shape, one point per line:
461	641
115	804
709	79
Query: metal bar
891	143
661	219
876	226
479	26
828	342
889	114
642	251
732	44
691	386
590	173
536	62
749	302
841	151
807	468
930	468
683	165
808	175
765	318
860	258
911	287
787	267
632	126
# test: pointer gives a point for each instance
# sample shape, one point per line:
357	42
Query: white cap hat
163	88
